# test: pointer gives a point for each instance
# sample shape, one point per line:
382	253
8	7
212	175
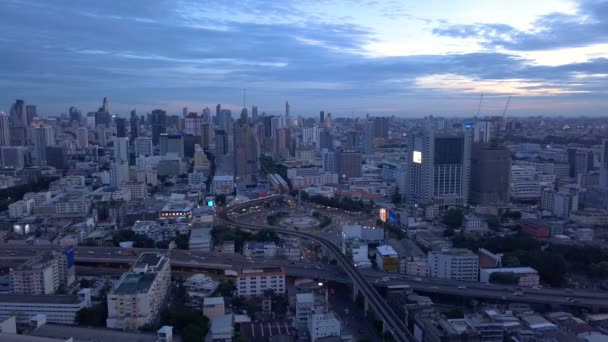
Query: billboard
383	215
69	253
417	157
393	216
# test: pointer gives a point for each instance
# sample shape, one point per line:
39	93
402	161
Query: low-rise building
260	249
387	259
223	185
474	224
254	281
527	276
417	268
200	240
456	264
590	217
213	307
140	293
60	309
322	324
222	329
21	208
584	234
536	228
139	190
177	210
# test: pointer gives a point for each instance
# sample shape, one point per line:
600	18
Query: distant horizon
387	57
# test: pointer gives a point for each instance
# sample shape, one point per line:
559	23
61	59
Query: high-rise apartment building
580	161
281	143
255	281
171	143
604	164
455	264
42	136
490	174
381	127
119	172
140	294
134	125
144	147
82	137
121	127
205	134
246	151
19	124
5	130
439	167
44	273
349	165
192	123
121	149
12	156
158	121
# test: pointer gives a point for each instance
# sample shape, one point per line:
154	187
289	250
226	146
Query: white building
584	234
455	264
138	190
322	325
121	149
223	185
144	147
119	173
72	205
140	293
21	208
474	224
82	137
306	303
196	179
60	309
43	274
200	240
360	252
222	329
40	198
564	203
254	281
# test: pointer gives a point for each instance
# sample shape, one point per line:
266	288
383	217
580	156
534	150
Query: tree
454	314
510	260
85	283
252	308
193	333
493	222
220	200
453	217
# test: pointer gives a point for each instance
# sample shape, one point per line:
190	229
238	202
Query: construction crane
479	106
506	107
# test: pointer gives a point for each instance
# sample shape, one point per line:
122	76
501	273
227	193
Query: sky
349	57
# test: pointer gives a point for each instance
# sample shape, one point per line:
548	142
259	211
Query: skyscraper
5	132
105	107
134	125
287	109
192	124
119	172
281	143
321	118
349	165
19	124
381	127
221	144
246	151
121	127
121	149
205	133
75	114
31	113
42	137
225	120
254	114
143	146
57	157
82	137
368	137
490	174
171	143
438	167
158	121
604	165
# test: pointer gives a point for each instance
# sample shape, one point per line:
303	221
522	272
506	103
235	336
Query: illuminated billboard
417	157
383	215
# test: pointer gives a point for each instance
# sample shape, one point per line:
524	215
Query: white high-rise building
483	130
119	173
121	149
140	293
5	133
144	147
439	168
82	137
455	264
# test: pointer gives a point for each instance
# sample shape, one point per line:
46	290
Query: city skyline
344	57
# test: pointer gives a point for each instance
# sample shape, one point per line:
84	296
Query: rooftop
88	334
456	252
135	283
42	299
150	259
261	270
178	206
386	250
213	301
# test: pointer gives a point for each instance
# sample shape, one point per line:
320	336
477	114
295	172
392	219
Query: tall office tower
103	118
205	134
281	143
580	161
134	125
604	164
329	162
12	157
82	137
310	136
483	131
184	111
326	140
490	174
221	144
267	126
254	114
75	114
277	122
102	135
321	118
158	121
246	152
352	140
171	143
19	124
206	115
439	168
144	147
42	137
225	120
381	127
121	127
287	109
244	119
328	120
119	172
368	137
121	149
30	112
193	123
5	131
105	107
57	157
349	165
218	114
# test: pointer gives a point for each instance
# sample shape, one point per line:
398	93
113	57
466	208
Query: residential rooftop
41	299
135	283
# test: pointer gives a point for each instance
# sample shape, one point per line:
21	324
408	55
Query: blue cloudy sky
407	58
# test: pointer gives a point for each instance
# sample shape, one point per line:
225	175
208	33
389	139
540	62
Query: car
462	287
518	293
571	300
418	279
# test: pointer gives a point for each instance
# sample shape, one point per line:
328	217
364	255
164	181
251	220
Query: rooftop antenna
479	106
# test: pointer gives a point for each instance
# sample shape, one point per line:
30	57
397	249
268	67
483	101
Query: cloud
552	31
